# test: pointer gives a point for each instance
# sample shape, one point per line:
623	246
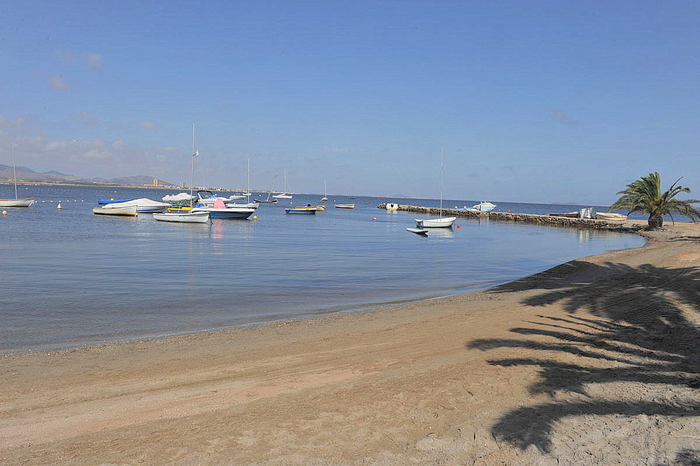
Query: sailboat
440	222
269	193
325	196
284	194
16	202
185	216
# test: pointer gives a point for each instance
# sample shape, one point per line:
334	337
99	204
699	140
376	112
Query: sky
530	101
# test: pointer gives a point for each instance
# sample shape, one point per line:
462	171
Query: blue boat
301	210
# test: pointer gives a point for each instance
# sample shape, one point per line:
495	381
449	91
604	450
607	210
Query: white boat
283	195
610	216
180	197
418	231
143	205
247	205
483	206
111	209
182	217
344	206
391	206
16	202
220	210
206	197
440	222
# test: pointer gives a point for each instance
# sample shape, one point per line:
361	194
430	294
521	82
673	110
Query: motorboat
392	206
221	210
483	206
182	217
207	198
128	210
143	205
301	210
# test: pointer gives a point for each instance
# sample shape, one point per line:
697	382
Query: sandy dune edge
593	362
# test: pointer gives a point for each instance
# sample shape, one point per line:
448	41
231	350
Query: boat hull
22	202
609	216
129	211
225	213
301	211
143	205
182	217
443	222
344	206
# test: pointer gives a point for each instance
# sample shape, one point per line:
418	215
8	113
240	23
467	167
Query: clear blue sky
532	101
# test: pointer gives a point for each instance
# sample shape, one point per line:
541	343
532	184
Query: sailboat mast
14	170
192	173
442	156
247	191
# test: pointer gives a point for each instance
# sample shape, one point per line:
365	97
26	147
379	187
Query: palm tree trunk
655	221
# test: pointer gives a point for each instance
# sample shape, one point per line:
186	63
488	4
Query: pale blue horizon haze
541	101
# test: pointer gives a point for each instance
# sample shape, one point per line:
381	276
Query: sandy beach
596	361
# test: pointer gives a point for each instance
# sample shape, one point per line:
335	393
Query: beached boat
586	212
182	217
610	216
391	206
440	222
143	205
483	206
129	210
17	201
344	206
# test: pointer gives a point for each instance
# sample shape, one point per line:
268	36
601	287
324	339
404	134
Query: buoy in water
255	217
59	205
374	218
4	212
459	226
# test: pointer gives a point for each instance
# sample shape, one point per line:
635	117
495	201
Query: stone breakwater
630	226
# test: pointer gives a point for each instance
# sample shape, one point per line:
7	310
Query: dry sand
593	362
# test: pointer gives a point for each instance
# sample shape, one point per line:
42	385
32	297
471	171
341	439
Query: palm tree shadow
644	330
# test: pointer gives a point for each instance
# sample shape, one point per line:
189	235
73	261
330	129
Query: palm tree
644	195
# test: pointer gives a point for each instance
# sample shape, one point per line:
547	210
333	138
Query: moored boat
483	206
143	205
129	210
221	210
344	206
300	210
392	206
442	222
17	201
20	202
182	217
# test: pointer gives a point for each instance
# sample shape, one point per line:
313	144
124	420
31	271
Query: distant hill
27	175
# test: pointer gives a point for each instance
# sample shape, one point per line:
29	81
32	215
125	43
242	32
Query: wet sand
596	361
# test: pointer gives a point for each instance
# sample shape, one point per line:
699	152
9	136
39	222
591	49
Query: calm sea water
71	278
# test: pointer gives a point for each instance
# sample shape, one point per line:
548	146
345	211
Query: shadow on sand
643	329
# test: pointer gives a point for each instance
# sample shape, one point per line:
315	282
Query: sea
71	278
